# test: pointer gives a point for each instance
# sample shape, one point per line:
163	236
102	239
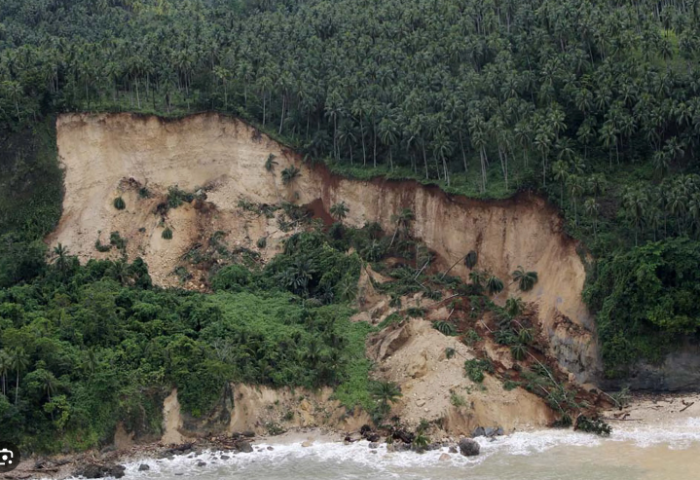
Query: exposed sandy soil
265	411
111	155
108	155
413	355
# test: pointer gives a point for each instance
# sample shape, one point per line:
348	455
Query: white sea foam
292	461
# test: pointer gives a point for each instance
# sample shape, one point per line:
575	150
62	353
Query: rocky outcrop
678	372
95	470
469	447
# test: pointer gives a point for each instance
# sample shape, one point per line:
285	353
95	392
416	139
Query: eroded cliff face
110	155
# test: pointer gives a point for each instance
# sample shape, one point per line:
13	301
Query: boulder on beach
143	467
469	447
243	446
95	470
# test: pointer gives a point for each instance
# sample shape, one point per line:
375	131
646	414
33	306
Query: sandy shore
656	409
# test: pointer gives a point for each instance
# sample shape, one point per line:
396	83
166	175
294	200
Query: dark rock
143	467
433	446
402	447
373	451
373	437
373	445
499	431
469	447
179	474
94	470
479	432
224	457
117	471
249	434
403	435
452	449
270	448
365	429
243	446
183	449
201	464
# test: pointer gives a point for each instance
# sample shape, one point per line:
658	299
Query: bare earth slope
110	155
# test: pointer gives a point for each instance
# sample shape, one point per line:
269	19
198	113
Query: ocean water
661	452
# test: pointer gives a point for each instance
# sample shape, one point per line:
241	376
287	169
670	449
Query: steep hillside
117	155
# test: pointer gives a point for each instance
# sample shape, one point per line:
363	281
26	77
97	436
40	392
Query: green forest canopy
593	103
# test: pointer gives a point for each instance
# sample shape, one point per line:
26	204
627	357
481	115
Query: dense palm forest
593	103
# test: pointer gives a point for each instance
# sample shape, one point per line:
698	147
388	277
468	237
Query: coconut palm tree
290	174
494	285
386	392
5	366
477	277
339	211
560	174
271	163
471	259
526	280
403	222
514	306
590	206
18	362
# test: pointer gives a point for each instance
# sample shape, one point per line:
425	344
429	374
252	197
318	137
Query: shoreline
644	410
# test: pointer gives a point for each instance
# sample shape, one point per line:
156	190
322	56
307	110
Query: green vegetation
646	301
475	369
593	104
592	425
167	234
119	203
89	345
177	197
457	400
446	328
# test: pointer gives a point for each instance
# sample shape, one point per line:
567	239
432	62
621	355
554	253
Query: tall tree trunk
446	171
425	162
464	154
264	107
282	115
484	163
374	140
364	151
